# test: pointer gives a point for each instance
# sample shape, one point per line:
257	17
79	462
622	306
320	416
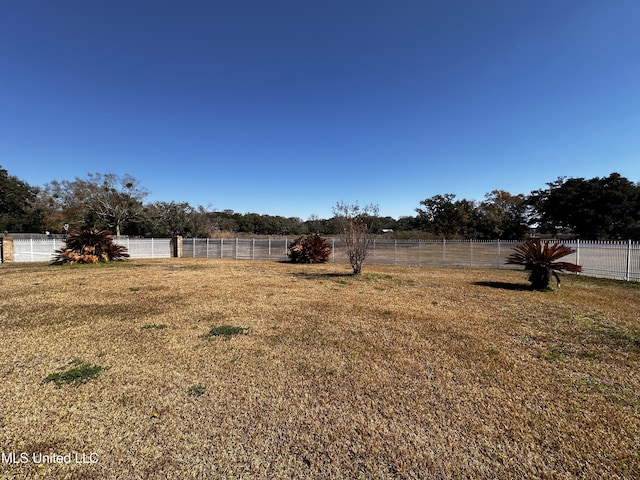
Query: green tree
19	211
223	222
170	218
598	208
505	215
407	224
326	226
440	217
445	218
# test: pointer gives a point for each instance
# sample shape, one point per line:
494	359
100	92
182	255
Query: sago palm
87	245
542	259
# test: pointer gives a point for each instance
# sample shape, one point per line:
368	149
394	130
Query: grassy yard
401	373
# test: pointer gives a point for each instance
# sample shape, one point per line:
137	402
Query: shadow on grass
319	276
505	286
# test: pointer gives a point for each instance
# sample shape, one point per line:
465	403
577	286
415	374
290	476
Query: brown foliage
87	245
310	248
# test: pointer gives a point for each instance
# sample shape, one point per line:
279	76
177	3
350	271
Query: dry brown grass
403	373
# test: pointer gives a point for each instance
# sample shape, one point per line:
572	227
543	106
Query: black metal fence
617	260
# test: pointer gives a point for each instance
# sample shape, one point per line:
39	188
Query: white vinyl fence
616	259
43	250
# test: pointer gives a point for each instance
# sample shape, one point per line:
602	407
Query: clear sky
286	107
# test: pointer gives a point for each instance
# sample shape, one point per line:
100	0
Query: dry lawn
402	373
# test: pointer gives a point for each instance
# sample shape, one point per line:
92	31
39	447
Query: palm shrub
87	245
541	259
310	248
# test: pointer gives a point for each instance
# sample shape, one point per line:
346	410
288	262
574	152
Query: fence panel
195	247
433	253
147	247
43	250
633	262
272	249
261	249
616	259
35	250
457	254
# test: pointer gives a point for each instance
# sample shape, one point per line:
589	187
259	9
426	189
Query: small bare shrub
357	223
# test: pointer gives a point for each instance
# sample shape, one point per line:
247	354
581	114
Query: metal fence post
374	252
444	251
577	251
221	247
395	251
333	249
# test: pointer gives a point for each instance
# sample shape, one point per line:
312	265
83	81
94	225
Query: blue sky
286	107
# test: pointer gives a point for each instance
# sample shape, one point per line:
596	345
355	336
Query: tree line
596	208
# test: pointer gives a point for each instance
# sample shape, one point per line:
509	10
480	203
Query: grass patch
554	354
404	373
225	331
79	373
197	390
153	326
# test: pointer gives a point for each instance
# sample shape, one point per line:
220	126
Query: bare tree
100	200
357	223
117	199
